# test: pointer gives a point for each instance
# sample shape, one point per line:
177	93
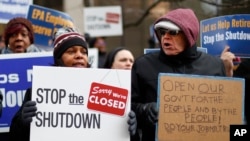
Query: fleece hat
14	25
67	40
181	18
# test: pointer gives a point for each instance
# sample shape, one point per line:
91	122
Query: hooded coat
146	68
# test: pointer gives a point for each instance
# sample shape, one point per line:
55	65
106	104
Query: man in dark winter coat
177	32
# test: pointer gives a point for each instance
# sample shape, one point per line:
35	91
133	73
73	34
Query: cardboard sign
194	108
69	102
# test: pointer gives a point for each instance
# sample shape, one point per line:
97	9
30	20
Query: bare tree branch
146	13
231	4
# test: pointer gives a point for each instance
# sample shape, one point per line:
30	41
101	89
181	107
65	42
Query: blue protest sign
10	9
231	30
15	78
45	22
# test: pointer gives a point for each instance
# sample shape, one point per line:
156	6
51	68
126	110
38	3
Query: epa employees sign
45	22
88	103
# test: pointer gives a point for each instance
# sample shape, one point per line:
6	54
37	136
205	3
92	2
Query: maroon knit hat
186	20
67	40
13	26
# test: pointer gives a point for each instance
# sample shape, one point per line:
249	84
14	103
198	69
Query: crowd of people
177	32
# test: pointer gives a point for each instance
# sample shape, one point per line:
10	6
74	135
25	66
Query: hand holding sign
132	123
28	111
228	58
151	112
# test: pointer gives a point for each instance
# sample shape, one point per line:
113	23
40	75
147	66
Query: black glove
28	111
151	112
132	122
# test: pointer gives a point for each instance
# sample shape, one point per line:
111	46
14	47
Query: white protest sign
103	21
80	104
93	57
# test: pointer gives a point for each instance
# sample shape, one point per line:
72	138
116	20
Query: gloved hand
132	122
151	112
28	111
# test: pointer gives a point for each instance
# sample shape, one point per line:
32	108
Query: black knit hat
67	40
110	57
11	28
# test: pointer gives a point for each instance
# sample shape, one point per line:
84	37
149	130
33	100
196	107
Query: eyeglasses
63	30
163	31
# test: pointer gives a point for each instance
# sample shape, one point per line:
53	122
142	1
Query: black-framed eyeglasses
63	30
163	31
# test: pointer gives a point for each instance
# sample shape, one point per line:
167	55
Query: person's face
173	44
75	56
19	41
2	45
100	44
123	60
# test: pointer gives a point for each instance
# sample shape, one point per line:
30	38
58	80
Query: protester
119	58
100	44
243	71
19	37
177	32
70	50
229	59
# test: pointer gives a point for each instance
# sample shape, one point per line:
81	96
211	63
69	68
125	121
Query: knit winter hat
12	27
67	40
185	19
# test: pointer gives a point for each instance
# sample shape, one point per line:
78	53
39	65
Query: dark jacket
145	72
19	131
243	71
